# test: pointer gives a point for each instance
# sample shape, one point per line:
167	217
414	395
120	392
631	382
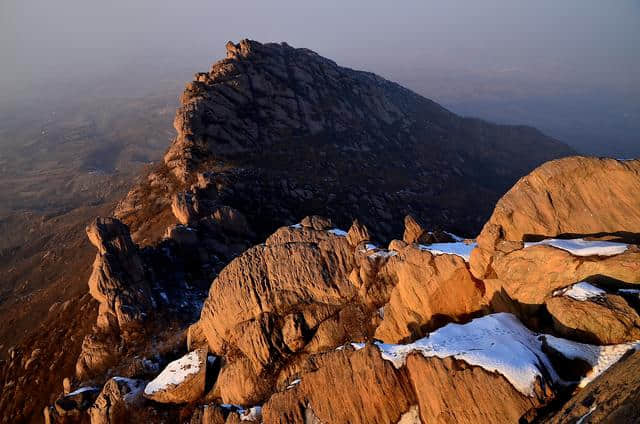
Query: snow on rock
635	292
382	254
498	343
453	236
582	247
580	291
293	384
135	388
338	232
175	373
501	343
251	414
377	251
82	390
459	248
585	416
599	357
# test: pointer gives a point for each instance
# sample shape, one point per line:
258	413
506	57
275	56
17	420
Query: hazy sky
595	40
569	67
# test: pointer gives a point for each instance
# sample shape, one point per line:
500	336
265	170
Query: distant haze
571	68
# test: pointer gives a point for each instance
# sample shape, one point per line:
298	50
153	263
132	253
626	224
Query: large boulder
429	291
355	387
452	391
590	315
571	196
532	274
182	381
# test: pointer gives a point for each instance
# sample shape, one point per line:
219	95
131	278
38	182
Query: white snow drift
582	247
500	343
175	373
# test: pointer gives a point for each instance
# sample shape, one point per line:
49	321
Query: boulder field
262	272
324	325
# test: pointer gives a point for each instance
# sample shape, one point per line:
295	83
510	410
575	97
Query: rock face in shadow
117	401
279	133
612	398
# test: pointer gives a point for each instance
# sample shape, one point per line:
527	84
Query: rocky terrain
294	258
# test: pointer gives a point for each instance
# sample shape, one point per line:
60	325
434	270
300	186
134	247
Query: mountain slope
270	135
283	133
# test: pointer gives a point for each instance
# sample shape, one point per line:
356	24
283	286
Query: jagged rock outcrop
120	284
279	133
117	401
415	233
309	289
428	291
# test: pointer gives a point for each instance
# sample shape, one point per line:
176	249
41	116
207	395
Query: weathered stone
182	381
118	399
606	319
429	291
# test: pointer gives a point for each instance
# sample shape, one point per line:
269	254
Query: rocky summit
320	245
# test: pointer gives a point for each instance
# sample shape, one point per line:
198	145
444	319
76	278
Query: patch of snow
370	246
455	237
580	291
211	359
589	412
293	384
358	346
383	254
135	387
458	248
599	357
498	343
81	390
295	226
630	291
252	414
175	373
412	416
164	297
582	247
338	232
381	312
150	365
